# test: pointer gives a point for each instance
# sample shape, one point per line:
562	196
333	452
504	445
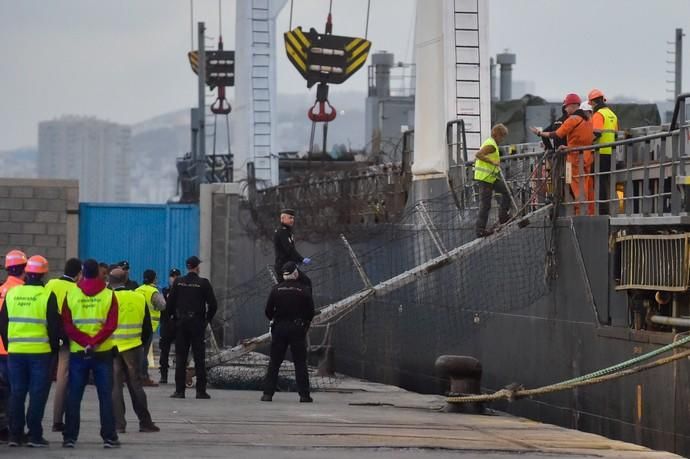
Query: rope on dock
600	376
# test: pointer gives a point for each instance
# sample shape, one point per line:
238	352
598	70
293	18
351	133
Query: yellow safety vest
148	290
608	133
89	313
60	287
27	332
487	172
130	318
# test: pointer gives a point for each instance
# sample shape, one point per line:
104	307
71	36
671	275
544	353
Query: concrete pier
355	420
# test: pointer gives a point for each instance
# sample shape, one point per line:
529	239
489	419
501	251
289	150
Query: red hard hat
15	258
594	94
572	98
37	265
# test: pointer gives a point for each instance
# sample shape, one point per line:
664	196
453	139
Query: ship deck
358	419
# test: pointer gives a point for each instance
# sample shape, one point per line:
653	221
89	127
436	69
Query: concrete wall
40	217
233	253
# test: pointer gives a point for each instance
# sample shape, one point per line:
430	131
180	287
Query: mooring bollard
465	374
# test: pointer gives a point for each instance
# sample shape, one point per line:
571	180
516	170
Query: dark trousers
284	334
165	342
604	183
4	392
101	365
126	370
486	192
144	362
29	374
190	332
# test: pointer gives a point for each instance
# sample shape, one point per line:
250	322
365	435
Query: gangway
339	308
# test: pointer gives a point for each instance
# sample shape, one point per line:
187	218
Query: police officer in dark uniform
192	305
167	329
284	246
290	308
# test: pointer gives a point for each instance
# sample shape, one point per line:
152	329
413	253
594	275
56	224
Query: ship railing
649	175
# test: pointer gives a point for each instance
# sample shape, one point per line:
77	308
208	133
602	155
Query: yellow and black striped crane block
325	58
220	67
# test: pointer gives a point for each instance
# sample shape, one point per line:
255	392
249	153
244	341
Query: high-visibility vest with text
27	331
89	313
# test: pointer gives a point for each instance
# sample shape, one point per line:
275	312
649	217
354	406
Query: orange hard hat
15	258
595	94
572	99
37	265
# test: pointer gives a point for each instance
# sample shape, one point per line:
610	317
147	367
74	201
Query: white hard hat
584	106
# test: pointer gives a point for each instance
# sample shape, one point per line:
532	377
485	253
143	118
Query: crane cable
221	107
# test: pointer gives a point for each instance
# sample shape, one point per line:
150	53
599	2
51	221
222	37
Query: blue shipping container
149	236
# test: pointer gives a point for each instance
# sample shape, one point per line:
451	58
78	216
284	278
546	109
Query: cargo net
394	293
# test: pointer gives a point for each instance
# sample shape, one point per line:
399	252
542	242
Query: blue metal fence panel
149	236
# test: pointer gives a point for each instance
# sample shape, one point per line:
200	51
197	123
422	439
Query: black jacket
131	285
552	144
190	297
55	331
290	300
284	246
165	314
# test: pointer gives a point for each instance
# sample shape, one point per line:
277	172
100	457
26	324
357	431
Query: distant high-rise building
93	151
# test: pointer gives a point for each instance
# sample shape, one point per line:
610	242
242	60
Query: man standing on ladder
487	173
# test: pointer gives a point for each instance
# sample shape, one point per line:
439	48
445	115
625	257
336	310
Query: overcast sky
125	60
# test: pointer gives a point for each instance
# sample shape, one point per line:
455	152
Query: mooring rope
606	374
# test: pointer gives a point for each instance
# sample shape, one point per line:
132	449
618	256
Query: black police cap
174	272
124	264
289	267
288	211
193	261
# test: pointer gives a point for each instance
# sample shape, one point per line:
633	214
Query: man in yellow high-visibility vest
90	317
605	124
155	303
31	322
487	174
60	287
133	328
